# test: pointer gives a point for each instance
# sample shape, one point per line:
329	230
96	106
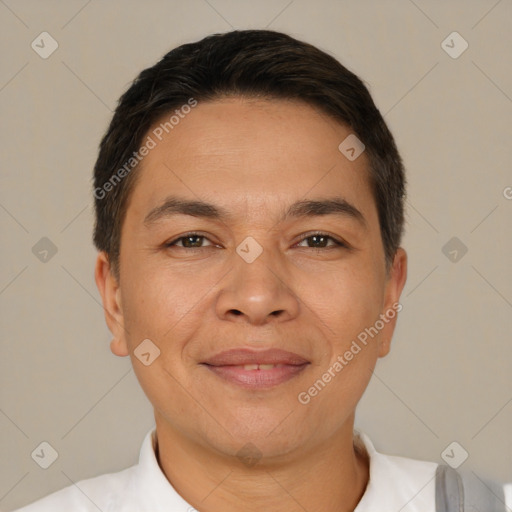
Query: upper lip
243	356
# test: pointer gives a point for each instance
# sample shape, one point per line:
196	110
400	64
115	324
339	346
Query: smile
257	376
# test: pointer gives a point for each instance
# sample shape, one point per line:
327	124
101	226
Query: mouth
256	369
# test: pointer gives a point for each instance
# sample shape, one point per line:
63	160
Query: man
249	213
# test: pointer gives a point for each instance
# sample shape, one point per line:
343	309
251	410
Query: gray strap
449	490
482	494
467	492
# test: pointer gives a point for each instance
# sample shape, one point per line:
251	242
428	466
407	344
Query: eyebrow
305	208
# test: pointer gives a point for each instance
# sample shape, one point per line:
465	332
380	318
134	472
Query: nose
258	293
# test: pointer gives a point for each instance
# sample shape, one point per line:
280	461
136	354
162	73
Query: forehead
250	154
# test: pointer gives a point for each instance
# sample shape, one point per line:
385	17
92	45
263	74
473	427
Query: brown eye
321	241
189	241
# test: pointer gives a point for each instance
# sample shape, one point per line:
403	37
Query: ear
395	283
111	296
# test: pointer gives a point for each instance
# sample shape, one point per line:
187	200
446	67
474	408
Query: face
262	290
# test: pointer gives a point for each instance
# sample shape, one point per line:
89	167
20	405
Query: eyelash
338	243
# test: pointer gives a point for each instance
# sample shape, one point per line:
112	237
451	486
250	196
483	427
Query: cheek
352	306
158	302
348	301
161	306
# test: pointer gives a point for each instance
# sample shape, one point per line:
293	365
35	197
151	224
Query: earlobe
395	284
119	348
110	292
384	347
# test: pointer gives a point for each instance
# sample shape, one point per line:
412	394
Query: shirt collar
397	483
149	488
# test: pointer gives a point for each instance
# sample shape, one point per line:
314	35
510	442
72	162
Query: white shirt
396	483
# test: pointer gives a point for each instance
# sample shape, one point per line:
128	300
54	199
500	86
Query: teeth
259	366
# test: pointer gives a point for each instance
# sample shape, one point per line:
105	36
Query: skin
253	158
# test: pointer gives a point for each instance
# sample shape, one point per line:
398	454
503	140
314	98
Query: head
229	215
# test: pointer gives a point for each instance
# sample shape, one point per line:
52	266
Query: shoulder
88	495
410	485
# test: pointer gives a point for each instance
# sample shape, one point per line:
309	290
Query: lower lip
257	379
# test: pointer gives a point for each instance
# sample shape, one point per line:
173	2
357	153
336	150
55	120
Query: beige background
448	376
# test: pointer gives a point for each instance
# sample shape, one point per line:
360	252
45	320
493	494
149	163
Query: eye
189	241
316	240
320	241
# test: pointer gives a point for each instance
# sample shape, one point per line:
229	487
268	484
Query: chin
265	434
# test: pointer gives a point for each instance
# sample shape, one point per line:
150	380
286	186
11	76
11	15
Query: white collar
397	483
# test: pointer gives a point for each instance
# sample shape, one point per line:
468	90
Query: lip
231	365
243	356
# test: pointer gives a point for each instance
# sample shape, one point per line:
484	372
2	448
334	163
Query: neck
331	477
